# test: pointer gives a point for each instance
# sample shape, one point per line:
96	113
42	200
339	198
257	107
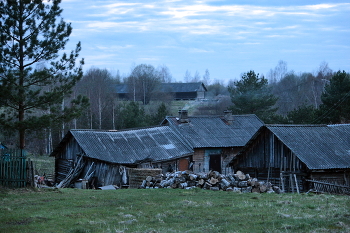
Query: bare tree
143	83
275	75
98	84
165	74
206	77
188	76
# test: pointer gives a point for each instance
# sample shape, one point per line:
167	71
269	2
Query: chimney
228	116
183	116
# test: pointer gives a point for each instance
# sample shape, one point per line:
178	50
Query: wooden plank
296	182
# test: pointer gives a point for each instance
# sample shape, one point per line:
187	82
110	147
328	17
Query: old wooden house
176	91
104	155
298	157
215	139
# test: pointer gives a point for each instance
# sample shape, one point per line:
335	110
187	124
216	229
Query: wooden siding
267	158
104	173
201	158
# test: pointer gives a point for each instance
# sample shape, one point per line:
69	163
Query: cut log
201	181
240	175
149	178
143	185
207	185
183	185
203	175
263	188
254	182
224	184
192	177
214	174
243	184
213	181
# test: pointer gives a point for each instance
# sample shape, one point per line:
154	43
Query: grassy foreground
169	210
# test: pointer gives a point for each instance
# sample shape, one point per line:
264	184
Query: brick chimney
183	116
228	116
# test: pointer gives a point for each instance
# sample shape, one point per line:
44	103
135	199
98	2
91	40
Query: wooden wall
201	158
267	158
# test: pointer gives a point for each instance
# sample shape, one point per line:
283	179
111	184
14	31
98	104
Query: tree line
44	91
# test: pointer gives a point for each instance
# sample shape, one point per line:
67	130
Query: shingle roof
131	146
122	88
182	87
167	87
214	131
319	147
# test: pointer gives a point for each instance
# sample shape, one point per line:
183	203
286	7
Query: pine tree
35	76
251	95
335	107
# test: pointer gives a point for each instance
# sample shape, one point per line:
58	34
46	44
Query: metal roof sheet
131	146
319	147
214	131
167	87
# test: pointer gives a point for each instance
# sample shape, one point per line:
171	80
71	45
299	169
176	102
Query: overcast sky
226	37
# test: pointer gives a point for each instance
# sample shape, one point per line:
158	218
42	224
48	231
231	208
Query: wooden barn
299	158
185	91
177	91
215	140
103	156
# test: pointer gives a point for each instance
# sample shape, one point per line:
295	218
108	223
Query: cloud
198	18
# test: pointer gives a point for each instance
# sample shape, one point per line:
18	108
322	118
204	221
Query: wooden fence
13	168
327	187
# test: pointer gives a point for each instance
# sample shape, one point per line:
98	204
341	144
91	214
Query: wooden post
291	186
296	183
282	181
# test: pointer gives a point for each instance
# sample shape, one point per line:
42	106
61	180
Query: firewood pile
238	182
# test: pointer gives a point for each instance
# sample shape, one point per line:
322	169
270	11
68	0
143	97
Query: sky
227	38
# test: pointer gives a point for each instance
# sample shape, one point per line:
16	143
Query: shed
296	157
105	154
214	139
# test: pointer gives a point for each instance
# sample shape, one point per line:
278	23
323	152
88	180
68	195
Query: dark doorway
215	163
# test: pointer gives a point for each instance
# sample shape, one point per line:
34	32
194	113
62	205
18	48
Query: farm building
177	91
199	143
215	139
298	157
105	154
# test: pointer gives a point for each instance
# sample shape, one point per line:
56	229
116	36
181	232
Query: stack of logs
238	182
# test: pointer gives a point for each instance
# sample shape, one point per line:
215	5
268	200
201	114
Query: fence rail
13	168
327	187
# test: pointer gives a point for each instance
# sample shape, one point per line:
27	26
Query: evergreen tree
132	115
162	112
251	95
335	107
34	78
304	114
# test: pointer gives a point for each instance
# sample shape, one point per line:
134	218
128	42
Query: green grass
169	210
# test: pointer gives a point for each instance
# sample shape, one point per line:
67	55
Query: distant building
177	91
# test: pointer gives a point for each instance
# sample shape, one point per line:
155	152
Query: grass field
169	210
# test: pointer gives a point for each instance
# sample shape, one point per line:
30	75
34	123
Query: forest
296	99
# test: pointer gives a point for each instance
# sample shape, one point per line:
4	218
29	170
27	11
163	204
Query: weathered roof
122	88
132	146
215	131
183	87
319	147
168	87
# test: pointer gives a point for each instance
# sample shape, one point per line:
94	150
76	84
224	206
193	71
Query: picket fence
13	168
